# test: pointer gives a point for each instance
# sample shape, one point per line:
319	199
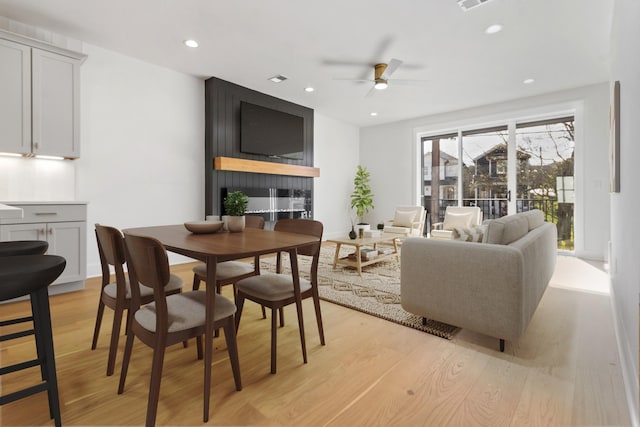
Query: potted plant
362	198
235	206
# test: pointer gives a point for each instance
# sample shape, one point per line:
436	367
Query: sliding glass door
505	169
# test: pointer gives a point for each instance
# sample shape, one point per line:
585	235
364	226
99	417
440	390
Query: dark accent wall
222	138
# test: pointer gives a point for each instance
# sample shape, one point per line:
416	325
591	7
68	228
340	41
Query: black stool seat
23	247
31	275
23	274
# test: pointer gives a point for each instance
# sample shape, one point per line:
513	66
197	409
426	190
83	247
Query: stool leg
37	325
42	318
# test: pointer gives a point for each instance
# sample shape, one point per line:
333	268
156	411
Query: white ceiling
559	43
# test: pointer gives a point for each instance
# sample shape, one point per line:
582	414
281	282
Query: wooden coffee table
359	244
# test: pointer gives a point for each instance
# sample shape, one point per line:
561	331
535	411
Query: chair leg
264	312
281	317
274	338
128	347
154	385
115	336
239	306
96	330
199	346
501	345
196	282
37	325
316	304
232	348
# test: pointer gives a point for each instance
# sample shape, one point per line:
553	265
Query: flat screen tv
270	132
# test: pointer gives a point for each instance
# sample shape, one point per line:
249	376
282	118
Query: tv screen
270	133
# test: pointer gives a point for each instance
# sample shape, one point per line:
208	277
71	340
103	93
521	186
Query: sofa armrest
471	285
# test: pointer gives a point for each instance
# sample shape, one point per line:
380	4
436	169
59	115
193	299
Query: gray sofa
492	287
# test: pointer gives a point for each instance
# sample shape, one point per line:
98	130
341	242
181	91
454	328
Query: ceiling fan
381	77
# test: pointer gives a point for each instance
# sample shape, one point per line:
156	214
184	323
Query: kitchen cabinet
40	106
62	225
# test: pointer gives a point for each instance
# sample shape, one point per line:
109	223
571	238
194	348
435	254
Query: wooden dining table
224	246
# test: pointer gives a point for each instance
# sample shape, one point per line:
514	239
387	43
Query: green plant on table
235	204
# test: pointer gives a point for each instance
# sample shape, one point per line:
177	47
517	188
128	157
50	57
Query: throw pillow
404	218
472	234
459	220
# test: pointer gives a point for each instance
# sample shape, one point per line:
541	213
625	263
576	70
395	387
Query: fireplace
273	203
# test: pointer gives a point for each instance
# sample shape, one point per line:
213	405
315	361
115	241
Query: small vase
235	223
352	233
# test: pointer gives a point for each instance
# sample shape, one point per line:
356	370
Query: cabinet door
14	232
15	97
68	239
56	97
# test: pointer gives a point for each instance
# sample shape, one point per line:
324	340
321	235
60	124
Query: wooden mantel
255	166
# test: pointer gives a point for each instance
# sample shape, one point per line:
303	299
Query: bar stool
22	275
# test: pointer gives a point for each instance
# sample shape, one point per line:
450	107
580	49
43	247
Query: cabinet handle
42	231
51	231
36	145
46	213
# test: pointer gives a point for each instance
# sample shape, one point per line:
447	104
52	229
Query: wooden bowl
203	227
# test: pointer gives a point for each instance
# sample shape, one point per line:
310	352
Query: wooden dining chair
276	290
229	272
169	319
117	295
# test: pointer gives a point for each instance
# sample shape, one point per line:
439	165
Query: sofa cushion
404	218
507	229
471	234
460	220
535	217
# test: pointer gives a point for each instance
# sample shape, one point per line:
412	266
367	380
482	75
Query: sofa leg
424	321
501	345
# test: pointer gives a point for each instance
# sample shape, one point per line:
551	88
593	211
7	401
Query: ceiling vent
470	4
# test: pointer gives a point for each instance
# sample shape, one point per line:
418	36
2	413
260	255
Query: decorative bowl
202	227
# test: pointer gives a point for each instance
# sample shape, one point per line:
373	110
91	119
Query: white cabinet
39	106
63	226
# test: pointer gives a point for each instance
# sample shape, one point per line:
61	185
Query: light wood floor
563	371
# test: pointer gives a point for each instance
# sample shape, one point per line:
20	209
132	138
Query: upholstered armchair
408	221
456	217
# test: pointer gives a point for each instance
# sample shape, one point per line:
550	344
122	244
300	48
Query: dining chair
169	319
276	290
229	272
117	295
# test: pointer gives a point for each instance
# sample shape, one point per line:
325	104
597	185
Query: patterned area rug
377	292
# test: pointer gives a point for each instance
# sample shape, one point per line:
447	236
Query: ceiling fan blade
371	92
391	67
403	82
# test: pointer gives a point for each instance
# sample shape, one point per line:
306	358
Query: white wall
391	153
142	154
625	237
335	146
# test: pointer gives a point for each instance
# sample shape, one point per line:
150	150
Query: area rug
376	292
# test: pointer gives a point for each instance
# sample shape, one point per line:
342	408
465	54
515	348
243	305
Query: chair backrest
457	214
254	221
303	226
112	252
149	266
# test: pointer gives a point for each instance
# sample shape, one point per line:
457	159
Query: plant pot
235	223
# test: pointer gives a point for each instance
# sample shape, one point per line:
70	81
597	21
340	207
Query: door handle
509	195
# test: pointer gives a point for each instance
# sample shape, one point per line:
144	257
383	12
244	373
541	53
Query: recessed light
374	114
492	29
191	43
309	89
279	78
528	81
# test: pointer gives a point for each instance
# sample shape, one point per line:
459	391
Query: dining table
213	248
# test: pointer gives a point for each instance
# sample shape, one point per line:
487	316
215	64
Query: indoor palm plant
235	206
362	197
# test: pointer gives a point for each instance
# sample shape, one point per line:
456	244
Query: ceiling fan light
381	85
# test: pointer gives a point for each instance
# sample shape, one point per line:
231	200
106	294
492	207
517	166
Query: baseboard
629	373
